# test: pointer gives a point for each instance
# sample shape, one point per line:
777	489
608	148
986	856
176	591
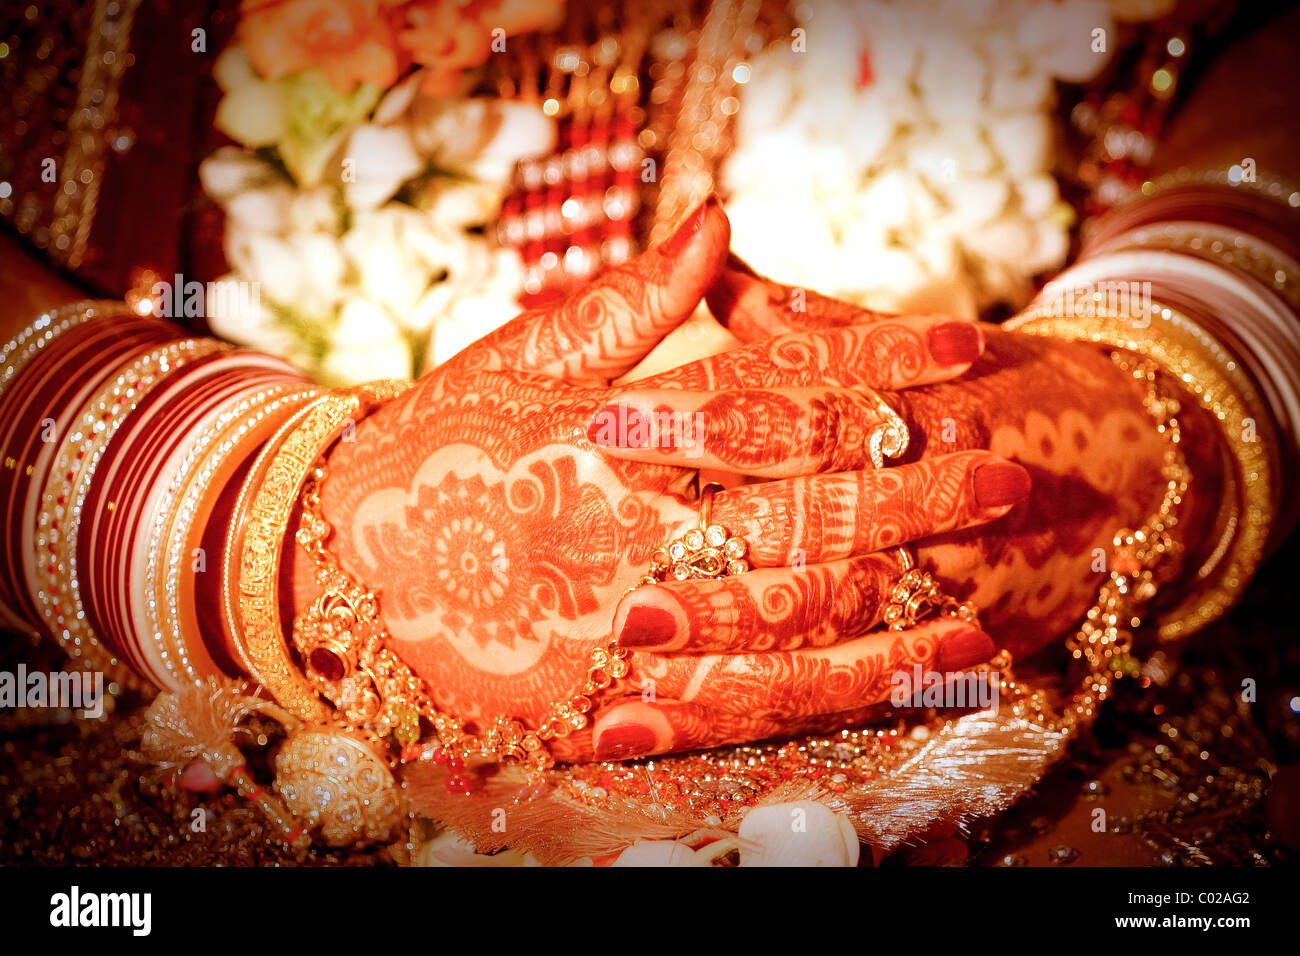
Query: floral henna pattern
810	607
750	429
799	683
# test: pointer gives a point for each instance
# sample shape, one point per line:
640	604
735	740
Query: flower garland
357	197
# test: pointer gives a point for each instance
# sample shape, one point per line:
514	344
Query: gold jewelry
206	467
861	771
916	594
890	437
711	551
269	513
233	545
344	644
1204	367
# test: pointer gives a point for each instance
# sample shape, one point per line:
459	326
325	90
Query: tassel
200	722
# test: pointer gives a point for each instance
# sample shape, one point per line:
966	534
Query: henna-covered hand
1062	410
501	539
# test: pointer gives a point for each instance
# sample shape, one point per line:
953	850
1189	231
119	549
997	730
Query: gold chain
1104	641
343	645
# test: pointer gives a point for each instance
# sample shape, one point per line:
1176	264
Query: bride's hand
500	539
1062	410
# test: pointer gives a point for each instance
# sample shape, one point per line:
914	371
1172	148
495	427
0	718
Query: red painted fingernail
689	227
624	741
1000	483
647	627
619	426
960	651
956	343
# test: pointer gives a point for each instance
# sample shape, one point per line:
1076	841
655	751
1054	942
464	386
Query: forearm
27	288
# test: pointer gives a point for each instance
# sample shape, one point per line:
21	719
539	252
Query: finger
770	433
821	518
768	609
802	683
604	330
754	307
898	352
635	728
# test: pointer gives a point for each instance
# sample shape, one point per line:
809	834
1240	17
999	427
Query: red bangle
54	386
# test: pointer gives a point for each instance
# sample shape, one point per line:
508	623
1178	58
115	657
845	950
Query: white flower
973	202
481	137
872	168
377	160
230	171
1060	35
456	204
470	317
656	853
367	344
321	273
451	849
253	110
265	209
804	833
314	210
951	78
1023	141
247	320
264	258
390	270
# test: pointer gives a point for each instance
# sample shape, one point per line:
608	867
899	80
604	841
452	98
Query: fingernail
624	741
1000	483
647	627
960	651
689	227
956	343
619	426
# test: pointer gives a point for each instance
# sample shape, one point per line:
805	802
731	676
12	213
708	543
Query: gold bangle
270	511
235	534
1206	369
205	469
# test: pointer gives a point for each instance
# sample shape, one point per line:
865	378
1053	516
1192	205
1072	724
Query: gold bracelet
235	533
204	471
270	510
344	644
1206	369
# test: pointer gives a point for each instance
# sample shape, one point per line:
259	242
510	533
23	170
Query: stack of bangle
134	504
1202	277
124	438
